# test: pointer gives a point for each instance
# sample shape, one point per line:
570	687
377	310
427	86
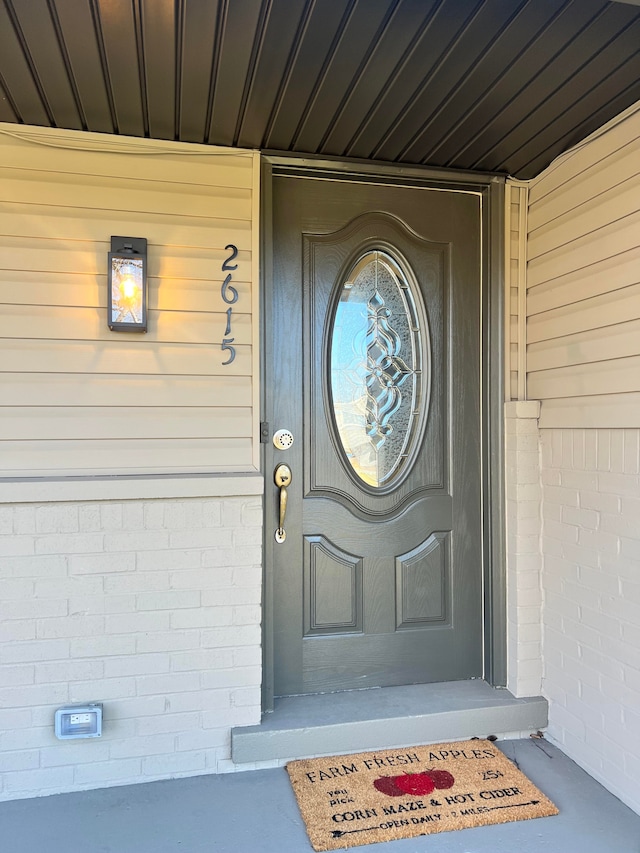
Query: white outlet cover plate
78	721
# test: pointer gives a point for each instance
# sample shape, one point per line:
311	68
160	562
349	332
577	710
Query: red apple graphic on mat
418	784
441	778
387	785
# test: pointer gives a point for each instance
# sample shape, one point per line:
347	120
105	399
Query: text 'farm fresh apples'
417	784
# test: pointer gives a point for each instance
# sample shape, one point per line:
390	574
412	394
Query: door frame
492	191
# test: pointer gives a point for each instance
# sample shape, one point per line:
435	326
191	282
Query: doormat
348	800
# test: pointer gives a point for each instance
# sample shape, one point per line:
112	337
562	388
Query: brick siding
151	607
591	588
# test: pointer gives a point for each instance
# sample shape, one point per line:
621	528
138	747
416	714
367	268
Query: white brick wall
524	561
591	588
150	606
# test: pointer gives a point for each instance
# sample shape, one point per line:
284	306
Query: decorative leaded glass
376	372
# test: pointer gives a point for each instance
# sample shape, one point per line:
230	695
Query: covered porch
132	535
257	811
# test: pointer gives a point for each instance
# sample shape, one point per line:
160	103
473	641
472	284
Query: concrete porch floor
256	812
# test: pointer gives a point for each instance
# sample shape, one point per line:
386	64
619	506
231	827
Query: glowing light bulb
128	288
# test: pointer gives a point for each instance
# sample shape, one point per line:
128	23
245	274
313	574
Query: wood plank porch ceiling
490	85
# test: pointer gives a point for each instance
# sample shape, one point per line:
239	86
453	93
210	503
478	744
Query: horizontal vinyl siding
516	217
583	279
78	398
513	216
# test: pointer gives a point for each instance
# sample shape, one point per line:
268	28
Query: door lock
283	439
282	478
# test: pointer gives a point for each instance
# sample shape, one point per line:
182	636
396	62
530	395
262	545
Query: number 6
228	289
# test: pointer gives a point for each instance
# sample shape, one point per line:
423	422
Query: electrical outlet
80	719
77	721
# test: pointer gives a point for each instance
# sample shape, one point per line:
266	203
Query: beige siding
583	279
78	398
515	295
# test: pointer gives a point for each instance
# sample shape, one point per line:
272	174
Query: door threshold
385	718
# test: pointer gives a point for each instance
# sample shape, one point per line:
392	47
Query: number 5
232	350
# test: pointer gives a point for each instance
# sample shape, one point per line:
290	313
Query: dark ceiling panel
388	55
468	94
18	76
583	116
460	53
322	32
491	85
488	88
413	72
120	39
272	55
362	30
158	22
511	101
240	22
7	111
40	33
79	35
197	50
559	86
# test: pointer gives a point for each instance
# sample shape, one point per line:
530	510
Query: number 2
227	265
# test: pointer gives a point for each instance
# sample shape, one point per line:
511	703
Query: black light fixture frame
127	248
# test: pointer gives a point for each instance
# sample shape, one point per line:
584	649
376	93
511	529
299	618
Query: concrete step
385	718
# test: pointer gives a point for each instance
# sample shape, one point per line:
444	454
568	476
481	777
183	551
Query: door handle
282	478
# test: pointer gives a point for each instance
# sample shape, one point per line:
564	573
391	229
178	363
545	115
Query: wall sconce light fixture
127	299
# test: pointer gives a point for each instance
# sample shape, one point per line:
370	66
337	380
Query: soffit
489	85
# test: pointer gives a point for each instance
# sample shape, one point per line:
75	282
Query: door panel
379	579
332	589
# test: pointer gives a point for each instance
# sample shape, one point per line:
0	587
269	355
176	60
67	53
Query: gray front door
373	369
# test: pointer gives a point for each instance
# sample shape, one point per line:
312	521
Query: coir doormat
357	799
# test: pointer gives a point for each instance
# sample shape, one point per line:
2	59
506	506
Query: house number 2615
230	296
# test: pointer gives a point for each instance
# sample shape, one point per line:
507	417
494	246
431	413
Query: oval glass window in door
378	383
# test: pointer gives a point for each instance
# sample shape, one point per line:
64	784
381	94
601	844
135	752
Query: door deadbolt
283	439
